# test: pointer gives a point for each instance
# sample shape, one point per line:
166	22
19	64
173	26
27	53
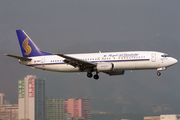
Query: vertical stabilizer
28	47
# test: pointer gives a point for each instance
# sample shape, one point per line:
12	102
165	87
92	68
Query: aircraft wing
82	64
18	57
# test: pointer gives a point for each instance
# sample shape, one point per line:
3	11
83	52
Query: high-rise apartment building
54	109
67	116
1	98
31	98
78	108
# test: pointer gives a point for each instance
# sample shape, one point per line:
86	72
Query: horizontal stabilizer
18	57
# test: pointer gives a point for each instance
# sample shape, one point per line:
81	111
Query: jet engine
103	67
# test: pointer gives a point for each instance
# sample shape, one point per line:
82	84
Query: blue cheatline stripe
46	64
135	60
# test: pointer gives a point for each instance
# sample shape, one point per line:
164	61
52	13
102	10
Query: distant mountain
137	116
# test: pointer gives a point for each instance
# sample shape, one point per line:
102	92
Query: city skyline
93	26
34	104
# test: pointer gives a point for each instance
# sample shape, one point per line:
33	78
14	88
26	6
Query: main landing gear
96	76
89	75
158	73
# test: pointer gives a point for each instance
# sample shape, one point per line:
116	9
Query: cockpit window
166	55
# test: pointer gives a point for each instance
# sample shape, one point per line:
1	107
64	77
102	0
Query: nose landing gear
160	69
158	73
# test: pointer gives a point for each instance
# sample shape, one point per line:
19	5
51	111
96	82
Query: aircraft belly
134	65
61	68
69	68
53	68
124	66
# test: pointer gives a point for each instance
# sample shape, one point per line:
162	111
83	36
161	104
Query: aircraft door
43	62
153	57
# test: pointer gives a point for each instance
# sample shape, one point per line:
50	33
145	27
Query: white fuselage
131	60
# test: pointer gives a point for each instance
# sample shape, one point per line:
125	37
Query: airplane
111	63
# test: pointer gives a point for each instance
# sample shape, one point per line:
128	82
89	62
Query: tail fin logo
26	47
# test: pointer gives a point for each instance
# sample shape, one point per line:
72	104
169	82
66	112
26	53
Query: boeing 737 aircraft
112	63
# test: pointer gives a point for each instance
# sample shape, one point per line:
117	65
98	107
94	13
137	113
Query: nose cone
174	61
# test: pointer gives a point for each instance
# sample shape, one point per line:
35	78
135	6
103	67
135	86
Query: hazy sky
90	26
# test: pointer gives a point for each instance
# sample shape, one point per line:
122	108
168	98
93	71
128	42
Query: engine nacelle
103	67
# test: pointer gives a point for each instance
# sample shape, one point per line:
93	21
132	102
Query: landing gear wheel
89	75
96	76
158	73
